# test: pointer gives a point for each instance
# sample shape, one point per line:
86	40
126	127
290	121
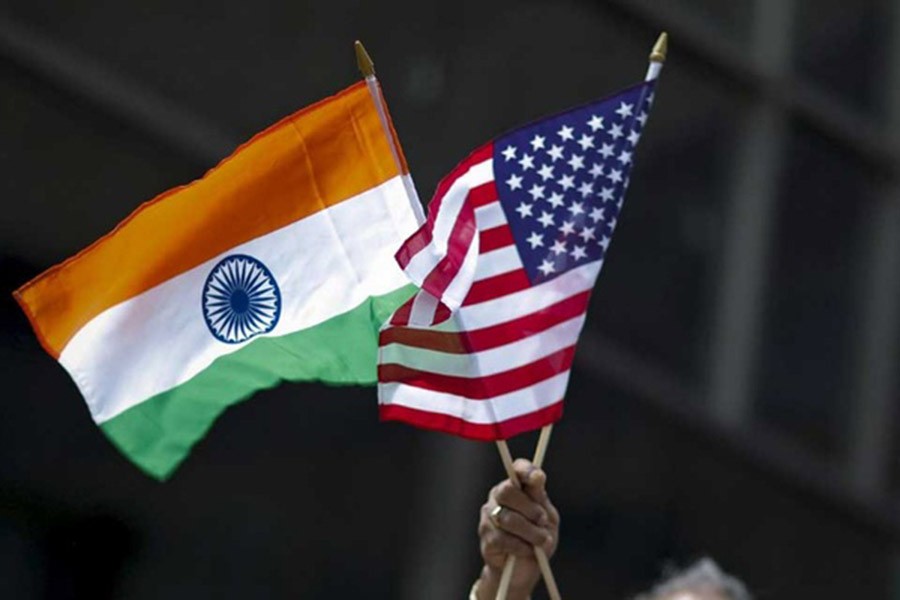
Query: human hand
526	519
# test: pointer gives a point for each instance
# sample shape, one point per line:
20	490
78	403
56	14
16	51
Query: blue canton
562	180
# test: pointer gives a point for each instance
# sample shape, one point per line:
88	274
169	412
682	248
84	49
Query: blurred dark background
735	390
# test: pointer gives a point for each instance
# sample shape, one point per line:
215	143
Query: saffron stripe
287	171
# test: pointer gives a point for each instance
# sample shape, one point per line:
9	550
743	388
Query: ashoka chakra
240	299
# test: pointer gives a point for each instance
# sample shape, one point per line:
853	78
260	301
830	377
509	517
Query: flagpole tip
363	60
660	48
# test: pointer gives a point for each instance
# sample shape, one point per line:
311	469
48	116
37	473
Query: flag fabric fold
514	240
276	265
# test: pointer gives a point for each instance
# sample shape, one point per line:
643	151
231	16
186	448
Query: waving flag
277	265
513	243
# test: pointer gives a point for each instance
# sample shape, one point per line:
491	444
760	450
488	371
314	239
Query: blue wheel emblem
240	299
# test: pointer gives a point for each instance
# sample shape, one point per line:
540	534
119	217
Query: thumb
533	479
524	470
536	485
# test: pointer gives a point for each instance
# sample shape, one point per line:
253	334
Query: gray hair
704	574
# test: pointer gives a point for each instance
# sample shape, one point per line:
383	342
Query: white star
514	182
546	219
604	241
565	132
555	200
524	210
586	189
633	137
577	208
535	239
606	150
597	214
546	172
526	162
546	267
566	182
612	223
614	175
576	162
596	171
642	118
567	228
578	252
559	247
650	97
624	110
586	141
537	142
595	123
555	152
624	157
606	194
509	153
615	132
587	234
536	191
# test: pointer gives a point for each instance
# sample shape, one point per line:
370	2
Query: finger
529	475
515	546
508	495
516	524
552	513
492	493
539	496
551	540
523	468
500	542
536	487
485	522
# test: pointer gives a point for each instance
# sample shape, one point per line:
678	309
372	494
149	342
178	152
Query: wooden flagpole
657	58
367	68
543	562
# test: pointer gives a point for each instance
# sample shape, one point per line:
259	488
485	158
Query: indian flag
276	265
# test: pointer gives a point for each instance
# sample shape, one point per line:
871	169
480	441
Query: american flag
515	238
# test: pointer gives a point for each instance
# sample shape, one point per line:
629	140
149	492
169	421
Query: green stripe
159	433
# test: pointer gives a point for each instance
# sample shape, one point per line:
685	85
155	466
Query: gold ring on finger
495	515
